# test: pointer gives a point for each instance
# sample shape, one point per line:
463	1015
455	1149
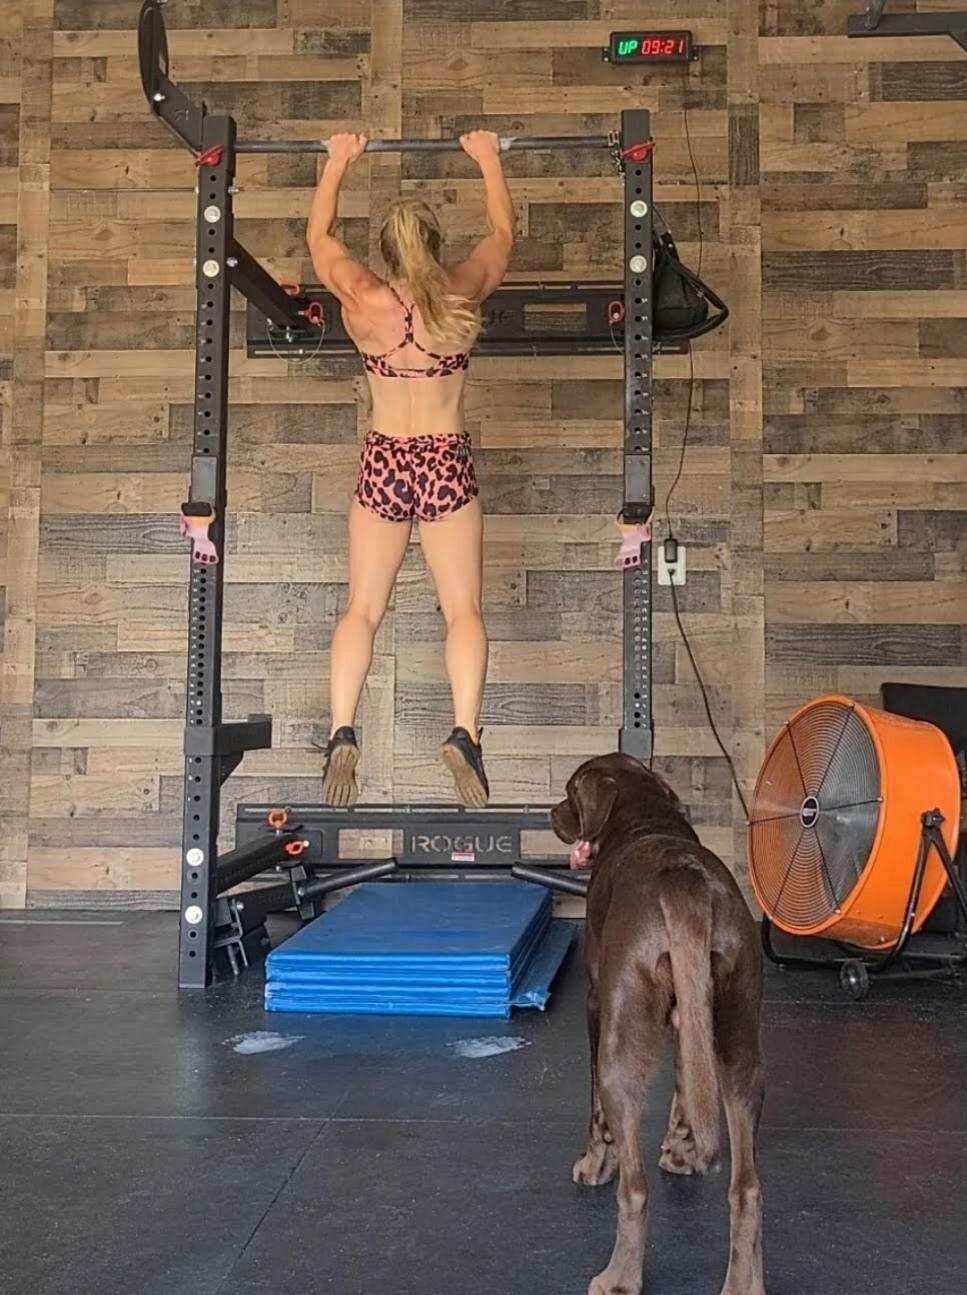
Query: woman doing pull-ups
414	330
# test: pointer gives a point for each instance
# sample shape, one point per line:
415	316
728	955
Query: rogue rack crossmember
221	933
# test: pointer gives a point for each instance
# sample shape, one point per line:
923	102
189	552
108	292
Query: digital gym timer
650	47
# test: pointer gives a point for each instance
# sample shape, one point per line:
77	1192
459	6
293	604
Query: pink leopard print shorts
426	477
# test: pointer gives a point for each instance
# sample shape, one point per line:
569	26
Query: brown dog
669	939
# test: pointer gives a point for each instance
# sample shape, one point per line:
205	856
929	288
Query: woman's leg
453	548
376	550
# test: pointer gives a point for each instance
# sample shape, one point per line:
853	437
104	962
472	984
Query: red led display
650	47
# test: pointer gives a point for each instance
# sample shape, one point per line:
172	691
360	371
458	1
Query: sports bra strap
445	363
408	335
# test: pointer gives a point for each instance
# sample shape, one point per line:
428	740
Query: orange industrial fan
853	824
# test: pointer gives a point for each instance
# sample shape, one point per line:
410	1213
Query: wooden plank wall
26	41
864	173
12	779
822	499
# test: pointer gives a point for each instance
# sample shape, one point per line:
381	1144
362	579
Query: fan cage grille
815	815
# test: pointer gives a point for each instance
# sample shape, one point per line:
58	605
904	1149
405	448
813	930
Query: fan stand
855	969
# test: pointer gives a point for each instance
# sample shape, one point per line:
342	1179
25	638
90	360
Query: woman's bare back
404	406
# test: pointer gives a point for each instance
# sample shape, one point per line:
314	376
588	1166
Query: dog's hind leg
678	1154
597	1163
742	1106
740	1077
687	910
632	1031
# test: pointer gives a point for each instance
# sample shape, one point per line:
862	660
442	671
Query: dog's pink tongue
580	855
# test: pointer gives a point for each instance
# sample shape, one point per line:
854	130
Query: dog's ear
564	821
594	795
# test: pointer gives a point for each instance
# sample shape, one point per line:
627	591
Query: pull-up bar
508	144
187	118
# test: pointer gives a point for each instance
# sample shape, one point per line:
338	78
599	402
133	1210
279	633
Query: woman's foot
464	758
339	786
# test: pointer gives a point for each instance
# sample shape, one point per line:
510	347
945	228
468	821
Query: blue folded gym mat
432	948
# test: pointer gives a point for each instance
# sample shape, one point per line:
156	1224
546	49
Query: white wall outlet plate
671	575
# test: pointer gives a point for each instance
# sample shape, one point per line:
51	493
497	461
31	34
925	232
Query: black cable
672	537
681	458
705	702
695	175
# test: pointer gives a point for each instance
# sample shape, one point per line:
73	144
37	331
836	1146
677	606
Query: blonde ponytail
410	242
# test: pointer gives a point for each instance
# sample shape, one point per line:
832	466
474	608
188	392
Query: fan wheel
854	977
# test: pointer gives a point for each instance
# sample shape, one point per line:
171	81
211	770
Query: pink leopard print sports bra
445	364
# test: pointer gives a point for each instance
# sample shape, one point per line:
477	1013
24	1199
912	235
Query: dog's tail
687	908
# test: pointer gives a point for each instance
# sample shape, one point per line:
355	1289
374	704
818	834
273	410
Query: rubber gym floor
147	1151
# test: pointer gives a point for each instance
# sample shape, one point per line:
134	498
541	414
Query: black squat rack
219	933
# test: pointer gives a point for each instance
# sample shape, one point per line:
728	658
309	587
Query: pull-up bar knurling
508	144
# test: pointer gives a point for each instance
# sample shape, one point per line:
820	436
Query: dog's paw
687	1161
596	1167
679	1131
606	1284
678	1150
675	1161
679	1155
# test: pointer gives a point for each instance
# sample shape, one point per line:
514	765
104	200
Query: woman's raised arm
484	269
335	266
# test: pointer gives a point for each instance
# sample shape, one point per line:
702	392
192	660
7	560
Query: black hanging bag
681	299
